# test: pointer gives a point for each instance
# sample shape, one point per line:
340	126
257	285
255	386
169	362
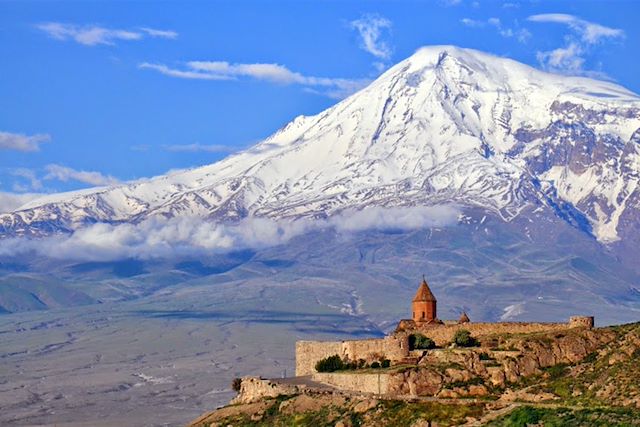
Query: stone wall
581	321
309	352
253	389
363	383
395	347
443	334
390	347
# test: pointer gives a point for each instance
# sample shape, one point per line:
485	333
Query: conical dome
424	293
464	318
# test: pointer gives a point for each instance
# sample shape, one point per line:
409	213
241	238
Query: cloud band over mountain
187	236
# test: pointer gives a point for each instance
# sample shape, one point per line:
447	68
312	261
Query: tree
375	365
420	342
385	363
330	364
463	338
236	384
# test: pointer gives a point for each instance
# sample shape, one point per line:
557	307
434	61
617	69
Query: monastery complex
397	347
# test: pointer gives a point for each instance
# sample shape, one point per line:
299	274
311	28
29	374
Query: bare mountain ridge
447	125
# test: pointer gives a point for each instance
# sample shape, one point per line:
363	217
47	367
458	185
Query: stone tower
424	304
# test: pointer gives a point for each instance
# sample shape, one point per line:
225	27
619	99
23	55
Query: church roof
424	293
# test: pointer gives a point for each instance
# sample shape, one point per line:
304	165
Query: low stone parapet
374	383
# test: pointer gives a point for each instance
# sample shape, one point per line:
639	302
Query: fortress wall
395	347
443	334
369	350
581	322
309	352
253	389
364	383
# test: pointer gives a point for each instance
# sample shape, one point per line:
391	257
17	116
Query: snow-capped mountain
445	125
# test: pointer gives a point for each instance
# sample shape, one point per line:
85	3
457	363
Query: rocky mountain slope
447	125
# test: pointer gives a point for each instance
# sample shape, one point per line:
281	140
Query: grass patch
404	414
564	417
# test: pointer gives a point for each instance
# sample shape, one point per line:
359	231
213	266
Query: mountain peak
446	125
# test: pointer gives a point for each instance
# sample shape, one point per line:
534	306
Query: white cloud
160	237
372	29
30	176
567	59
165	34
9	202
92	35
273	73
195	148
21	142
63	173
399	218
183	74
571	57
473	23
520	34
590	32
269	72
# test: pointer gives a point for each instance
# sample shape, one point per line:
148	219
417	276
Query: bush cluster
485	356
335	363
420	342
463	338
330	364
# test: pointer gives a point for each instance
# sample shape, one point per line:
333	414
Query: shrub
592	357
362	363
330	364
472	381
235	384
420	342
485	356
375	365
463	338
385	363
557	371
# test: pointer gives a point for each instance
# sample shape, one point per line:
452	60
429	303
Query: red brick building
424	305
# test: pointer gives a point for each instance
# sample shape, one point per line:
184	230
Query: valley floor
157	361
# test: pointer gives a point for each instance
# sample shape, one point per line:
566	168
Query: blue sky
95	93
